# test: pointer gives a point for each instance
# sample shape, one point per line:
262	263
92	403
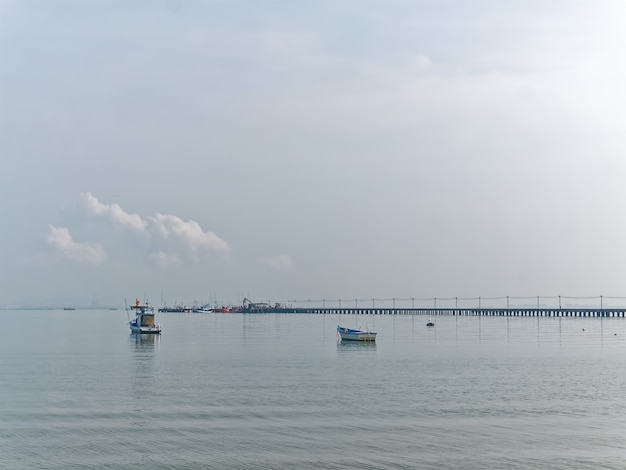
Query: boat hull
348	334
145	330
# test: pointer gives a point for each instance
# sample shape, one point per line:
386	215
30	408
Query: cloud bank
167	240
112	212
84	252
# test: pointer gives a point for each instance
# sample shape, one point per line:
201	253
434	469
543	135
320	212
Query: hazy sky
282	150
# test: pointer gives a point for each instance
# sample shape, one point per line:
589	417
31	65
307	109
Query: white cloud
170	238
280	262
113	212
190	232
61	239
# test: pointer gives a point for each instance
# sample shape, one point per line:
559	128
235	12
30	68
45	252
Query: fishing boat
348	334
222	309
144	319
430	323
204	309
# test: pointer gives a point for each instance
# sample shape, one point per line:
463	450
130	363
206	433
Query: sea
279	391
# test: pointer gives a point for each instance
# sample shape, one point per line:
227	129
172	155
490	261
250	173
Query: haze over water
277	391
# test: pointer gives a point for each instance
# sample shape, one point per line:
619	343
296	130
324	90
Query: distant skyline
209	151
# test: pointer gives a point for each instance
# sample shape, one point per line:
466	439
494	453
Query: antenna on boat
126	303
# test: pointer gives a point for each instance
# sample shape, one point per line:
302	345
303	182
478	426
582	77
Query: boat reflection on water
355	346
144	342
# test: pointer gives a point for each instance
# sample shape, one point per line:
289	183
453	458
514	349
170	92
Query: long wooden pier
471	312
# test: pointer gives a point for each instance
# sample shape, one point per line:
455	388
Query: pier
536	306
470	312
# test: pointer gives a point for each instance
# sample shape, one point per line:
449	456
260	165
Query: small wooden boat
144	319
348	334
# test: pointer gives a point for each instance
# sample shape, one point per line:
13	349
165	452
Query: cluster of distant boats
202	309
247	306
144	322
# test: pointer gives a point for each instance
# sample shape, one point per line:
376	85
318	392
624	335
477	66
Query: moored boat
222	309
348	334
176	309
204	309
144	319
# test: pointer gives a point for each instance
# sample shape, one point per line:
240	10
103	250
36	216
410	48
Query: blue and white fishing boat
144	319
348	334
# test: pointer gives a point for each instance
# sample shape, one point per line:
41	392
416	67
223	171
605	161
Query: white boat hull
348	334
155	330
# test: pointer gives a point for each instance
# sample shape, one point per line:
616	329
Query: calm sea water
221	391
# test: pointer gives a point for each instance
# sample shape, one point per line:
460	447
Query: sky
192	151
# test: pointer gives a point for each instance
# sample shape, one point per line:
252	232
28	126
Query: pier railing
485	312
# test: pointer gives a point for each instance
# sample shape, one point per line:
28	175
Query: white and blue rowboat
144	319
348	334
